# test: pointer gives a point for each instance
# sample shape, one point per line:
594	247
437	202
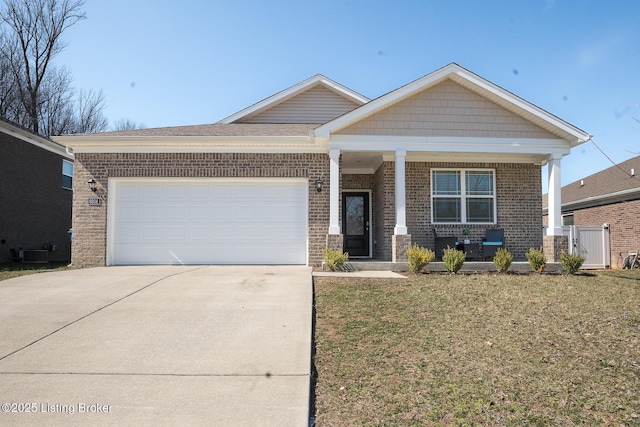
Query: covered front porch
381	202
450	151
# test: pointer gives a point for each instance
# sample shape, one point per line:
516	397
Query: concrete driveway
166	345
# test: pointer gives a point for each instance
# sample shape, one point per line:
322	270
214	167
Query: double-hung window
463	196
67	175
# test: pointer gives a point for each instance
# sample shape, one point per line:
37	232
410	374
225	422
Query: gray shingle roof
219	129
606	182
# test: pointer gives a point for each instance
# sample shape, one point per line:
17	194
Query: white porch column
334	190
401	212
555	200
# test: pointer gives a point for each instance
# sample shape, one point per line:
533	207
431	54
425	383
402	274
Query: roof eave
194	144
35	139
600	200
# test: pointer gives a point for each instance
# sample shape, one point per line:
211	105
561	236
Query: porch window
460	196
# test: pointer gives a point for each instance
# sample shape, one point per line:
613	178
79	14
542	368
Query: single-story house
611	196
319	165
35	196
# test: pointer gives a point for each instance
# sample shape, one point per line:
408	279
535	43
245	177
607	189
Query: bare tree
89	117
33	40
55	103
127	124
8	89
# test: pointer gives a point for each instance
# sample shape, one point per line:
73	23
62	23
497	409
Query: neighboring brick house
35	196
319	165
611	196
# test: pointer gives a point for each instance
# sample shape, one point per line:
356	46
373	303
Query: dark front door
355	223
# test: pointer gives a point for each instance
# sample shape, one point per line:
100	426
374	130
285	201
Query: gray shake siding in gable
316	105
89	240
447	109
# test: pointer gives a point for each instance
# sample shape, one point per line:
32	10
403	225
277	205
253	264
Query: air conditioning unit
34	255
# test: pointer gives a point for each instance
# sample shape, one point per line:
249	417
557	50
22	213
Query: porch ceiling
369	161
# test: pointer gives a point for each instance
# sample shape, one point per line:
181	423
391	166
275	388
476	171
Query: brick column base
553	246
400	243
334	241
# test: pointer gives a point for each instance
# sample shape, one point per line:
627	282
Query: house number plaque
95	202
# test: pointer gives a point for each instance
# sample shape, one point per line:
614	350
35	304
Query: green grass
463	350
11	270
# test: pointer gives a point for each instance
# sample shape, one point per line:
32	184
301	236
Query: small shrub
571	263
419	257
502	260
536	259
334	259
453	259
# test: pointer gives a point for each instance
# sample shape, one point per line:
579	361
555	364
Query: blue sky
168	63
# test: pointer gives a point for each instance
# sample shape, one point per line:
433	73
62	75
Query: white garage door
215	221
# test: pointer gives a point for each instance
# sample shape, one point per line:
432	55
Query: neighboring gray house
320	165
35	196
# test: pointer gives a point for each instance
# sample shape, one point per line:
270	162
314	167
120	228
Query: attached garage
207	221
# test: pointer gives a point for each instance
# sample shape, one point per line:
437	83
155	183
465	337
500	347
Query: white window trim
72	173
463	196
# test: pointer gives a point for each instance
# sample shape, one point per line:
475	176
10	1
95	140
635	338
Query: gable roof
24	134
313	83
471	81
614	184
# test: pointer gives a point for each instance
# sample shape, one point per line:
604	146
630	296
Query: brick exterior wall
34	208
518	188
384	185
624	227
519	201
90	222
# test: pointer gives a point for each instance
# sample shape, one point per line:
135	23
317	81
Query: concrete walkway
167	345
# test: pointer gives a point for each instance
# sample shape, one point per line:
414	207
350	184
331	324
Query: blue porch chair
494	239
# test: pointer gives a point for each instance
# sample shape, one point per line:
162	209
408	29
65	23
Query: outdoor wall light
92	184
318	185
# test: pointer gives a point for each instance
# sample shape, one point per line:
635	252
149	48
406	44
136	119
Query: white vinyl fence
592	242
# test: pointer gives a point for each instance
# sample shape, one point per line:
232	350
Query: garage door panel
209	222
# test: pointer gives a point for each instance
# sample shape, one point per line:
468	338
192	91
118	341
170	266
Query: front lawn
478	350
15	269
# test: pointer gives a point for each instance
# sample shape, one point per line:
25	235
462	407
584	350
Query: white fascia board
537	146
466	157
194	144
34	139
299	87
